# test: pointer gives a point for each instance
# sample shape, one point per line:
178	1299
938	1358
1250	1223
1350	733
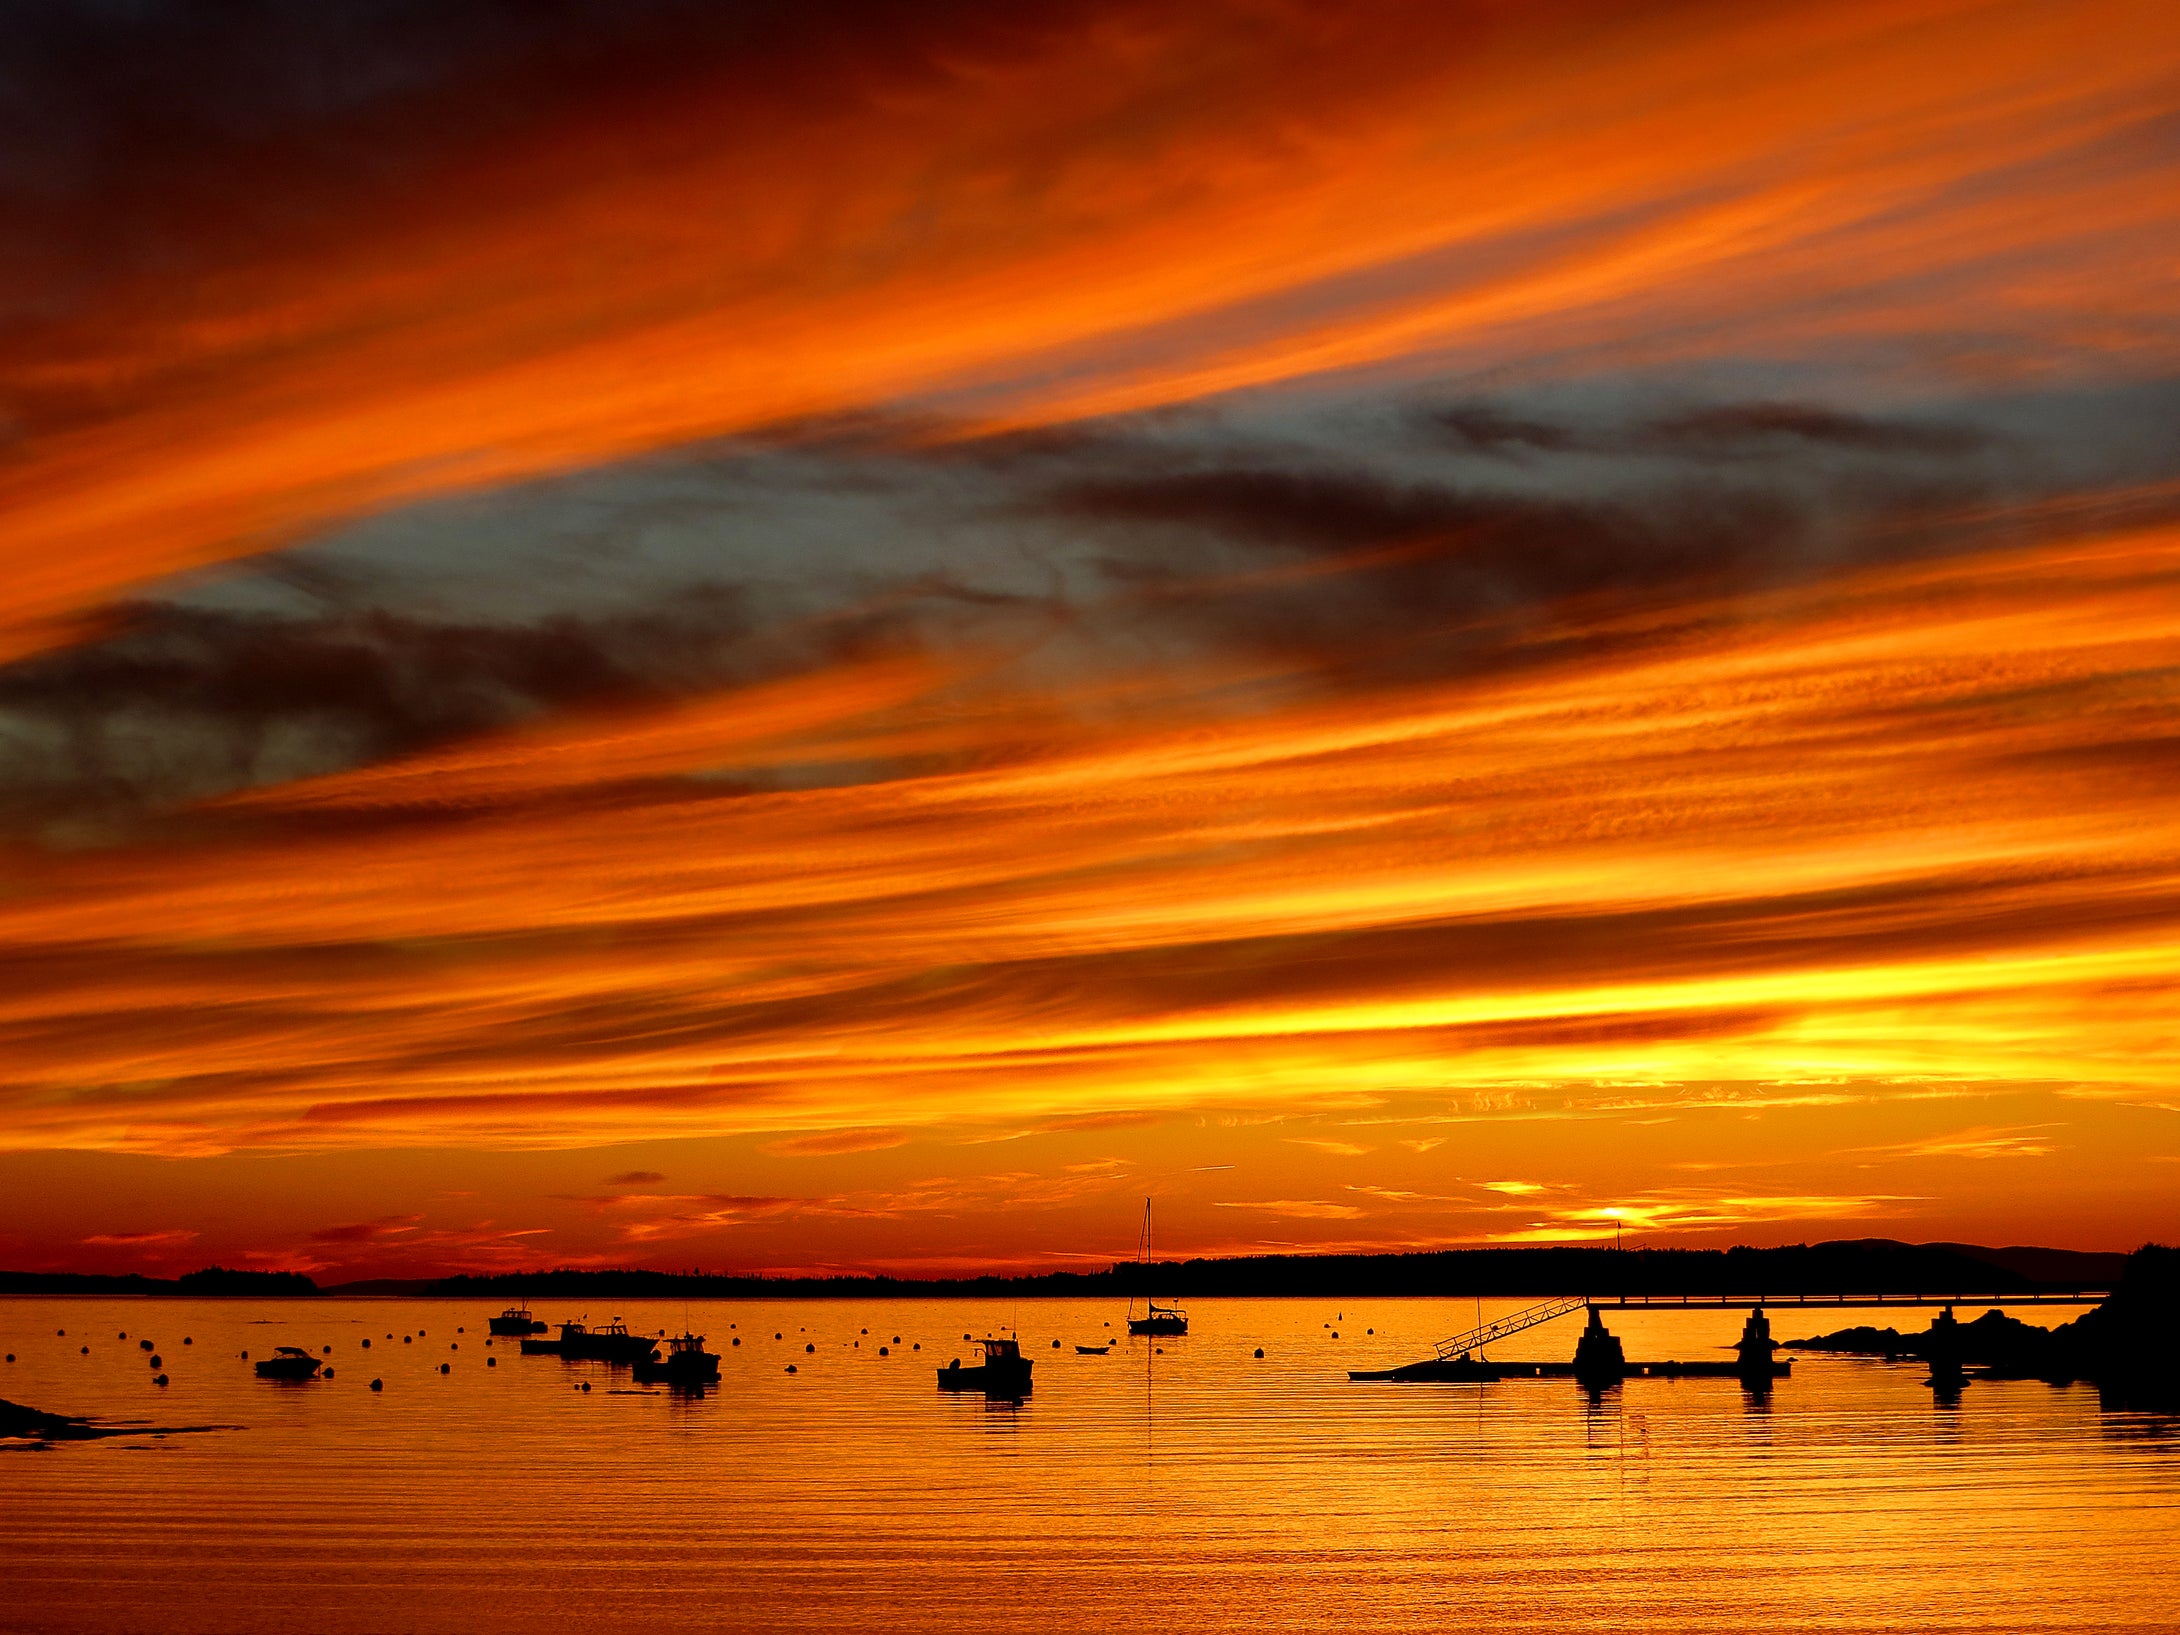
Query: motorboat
516	1320
1004	1372
608	1342
288	1362
686	1364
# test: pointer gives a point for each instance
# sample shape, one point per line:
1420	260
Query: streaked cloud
821	1143
172	1237
1312	1209
2028	1141
1688	1211
1327	597
386	1226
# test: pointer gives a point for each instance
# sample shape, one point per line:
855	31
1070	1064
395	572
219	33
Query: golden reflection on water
1193	1486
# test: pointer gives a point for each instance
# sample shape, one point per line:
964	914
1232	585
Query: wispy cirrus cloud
1697	1211
371	1231
2021	1141
825	1143
173	1236
1297	1208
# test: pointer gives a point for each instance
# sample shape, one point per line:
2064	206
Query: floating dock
1459	1369
1598	1360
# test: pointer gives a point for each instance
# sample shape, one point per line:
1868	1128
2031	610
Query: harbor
858	1459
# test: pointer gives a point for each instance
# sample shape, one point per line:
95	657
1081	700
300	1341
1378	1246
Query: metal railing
2033	1297
1513	1323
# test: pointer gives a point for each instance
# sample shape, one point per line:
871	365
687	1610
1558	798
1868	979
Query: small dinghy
1093	1350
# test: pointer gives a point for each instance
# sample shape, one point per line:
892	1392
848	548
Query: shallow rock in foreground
35	1425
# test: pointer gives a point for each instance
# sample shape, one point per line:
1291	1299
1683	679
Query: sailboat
1156	1319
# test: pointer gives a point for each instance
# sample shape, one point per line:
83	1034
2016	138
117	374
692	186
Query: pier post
1942	1350
1599	1360
1753	1352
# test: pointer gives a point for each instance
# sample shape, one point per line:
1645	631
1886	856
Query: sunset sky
785	637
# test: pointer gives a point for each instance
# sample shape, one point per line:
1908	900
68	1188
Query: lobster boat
686	1364
1004	1372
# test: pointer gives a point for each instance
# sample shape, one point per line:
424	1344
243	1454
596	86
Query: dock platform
1459	1369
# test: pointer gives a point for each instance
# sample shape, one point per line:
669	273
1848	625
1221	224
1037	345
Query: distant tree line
1867	1266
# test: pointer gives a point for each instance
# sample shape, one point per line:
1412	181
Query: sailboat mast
1142	1260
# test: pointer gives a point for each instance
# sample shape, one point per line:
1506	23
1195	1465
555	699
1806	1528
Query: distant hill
2046	1265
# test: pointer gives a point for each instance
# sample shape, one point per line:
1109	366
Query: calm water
1197	1489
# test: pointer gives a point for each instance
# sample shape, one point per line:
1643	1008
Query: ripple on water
1202	1488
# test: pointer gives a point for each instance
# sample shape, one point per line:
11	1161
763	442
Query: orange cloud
1825	845
1126	207
1908	830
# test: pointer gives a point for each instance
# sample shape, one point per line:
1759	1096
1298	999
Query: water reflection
1199	1486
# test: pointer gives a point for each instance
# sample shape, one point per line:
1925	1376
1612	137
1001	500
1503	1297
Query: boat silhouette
608	1342
1004	1371
516	1320
288	1362
1156	1319
686	1363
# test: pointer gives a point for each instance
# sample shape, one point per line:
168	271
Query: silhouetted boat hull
515	1320
289	1363
611	1348
1004	1372
686	1364
610	1344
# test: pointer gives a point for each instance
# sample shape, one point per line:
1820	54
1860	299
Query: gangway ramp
1461	1345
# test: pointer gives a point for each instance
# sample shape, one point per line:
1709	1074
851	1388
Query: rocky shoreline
2129	1347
